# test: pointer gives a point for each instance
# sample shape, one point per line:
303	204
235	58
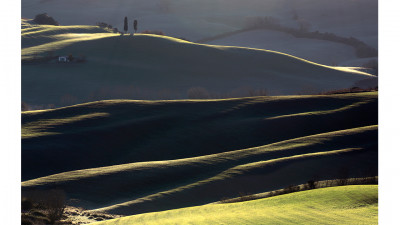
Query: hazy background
195	20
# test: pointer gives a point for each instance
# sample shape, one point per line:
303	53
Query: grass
130	157
160	67
139	131
137	156
334	205
311	184
35	129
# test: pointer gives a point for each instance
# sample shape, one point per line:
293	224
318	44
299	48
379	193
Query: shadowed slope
161	67
172	184
335	205
114	132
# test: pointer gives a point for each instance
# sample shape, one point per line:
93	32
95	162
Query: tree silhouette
45	19
135	23
70	58
126	24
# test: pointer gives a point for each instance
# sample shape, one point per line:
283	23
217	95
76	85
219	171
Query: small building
63	59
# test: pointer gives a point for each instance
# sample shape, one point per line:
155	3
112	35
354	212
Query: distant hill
325	52
161	67
129	157
194	20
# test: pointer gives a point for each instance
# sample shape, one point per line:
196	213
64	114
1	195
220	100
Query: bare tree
55	205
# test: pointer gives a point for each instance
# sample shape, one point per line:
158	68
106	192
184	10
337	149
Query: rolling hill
335	205
319	51
130	157
161	67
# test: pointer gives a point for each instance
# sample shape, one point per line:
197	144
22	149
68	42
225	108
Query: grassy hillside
130	157
35	35
169	184
136	131
335	205
160	67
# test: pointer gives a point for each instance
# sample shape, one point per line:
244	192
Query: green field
161	67
335	205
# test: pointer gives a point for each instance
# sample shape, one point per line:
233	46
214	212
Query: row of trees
115	30
362	49
135	25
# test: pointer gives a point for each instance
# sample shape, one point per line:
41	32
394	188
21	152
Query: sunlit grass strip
208	159
237	170
322	112
334	205
35	129
251	100
28	53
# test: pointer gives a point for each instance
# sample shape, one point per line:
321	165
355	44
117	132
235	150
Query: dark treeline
270	23
311	184
362	49
45	19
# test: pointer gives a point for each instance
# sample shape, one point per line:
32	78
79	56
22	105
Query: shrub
157	32
45	19
104	25
45	206
55	205
246	197
290	189
342	175
26	221
311	184
26	204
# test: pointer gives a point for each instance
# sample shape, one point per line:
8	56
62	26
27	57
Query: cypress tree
135	23
126	24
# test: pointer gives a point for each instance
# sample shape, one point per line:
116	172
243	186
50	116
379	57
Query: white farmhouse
63	59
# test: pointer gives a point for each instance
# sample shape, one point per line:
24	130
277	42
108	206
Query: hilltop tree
70	58
126	24
45	19
135	23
